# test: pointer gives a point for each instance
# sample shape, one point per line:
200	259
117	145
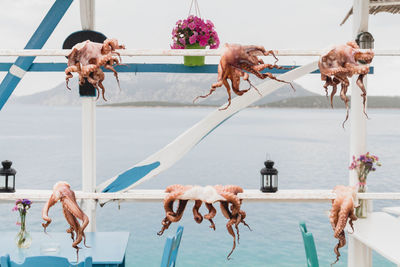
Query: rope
196	8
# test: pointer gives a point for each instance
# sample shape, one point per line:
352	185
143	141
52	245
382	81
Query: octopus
72	212
341	63
87	57
341	212
234	61
230	205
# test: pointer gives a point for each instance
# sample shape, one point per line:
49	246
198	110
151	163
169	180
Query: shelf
252	195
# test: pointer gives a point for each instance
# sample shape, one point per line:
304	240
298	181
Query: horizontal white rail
158	195
394	3
173	52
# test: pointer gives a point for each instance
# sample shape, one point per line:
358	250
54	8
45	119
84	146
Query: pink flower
203	42
192	30
210	23
18	223
182	41
15	208
192	26
193	38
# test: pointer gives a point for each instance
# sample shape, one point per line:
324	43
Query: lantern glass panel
275	180
2	182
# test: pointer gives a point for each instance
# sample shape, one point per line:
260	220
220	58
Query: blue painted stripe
130	177
143	68
219	124
38	39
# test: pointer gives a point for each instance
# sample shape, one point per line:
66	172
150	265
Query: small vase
361	210
23	239
194	60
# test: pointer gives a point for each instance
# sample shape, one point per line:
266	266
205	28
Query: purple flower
26	202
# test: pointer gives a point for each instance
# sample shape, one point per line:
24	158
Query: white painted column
87	8
358	253
89	158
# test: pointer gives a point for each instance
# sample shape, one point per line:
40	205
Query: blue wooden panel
106	248
37	41
144	68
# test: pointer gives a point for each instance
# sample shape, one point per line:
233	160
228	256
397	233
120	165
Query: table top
381	232
105	247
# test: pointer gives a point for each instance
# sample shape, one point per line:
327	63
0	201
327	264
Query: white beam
176	52
388	3
249	195
89	157
87	10
358	253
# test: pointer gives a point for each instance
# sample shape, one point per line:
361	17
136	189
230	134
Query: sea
309	147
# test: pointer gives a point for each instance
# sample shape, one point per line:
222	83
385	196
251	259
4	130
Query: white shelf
158	195
177	52
380	232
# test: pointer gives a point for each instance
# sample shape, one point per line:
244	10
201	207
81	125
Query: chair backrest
171	249
43	261
309	246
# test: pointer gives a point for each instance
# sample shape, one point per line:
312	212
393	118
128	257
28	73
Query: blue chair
171	249
309	246
43	261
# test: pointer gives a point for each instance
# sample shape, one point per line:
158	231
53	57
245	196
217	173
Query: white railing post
358	253
89	158
88	130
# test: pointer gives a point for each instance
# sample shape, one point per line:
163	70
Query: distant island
297	102
179	90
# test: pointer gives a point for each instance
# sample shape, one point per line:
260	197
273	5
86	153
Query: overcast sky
286	24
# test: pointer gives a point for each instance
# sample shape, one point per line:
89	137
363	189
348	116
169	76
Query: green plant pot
193	60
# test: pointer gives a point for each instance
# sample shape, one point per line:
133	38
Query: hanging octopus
342	210
72	212
341	63
234	61
88	57
230	205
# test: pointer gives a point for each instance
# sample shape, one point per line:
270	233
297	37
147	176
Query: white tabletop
381	232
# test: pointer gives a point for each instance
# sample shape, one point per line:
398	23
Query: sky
285	24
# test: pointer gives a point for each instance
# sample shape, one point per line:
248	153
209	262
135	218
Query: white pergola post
88	130
358	253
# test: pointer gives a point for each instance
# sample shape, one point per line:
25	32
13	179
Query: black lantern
365	40
269	177
8	173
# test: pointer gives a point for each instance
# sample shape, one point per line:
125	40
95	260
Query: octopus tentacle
211	214
342	62
197	215
342	210
89	57
71	211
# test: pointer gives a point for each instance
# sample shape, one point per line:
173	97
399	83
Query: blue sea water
309	146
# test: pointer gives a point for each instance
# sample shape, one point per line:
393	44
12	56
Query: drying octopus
72	212
342	210
341	63
230	205
87	57
234	61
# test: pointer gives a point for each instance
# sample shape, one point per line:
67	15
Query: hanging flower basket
194	33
